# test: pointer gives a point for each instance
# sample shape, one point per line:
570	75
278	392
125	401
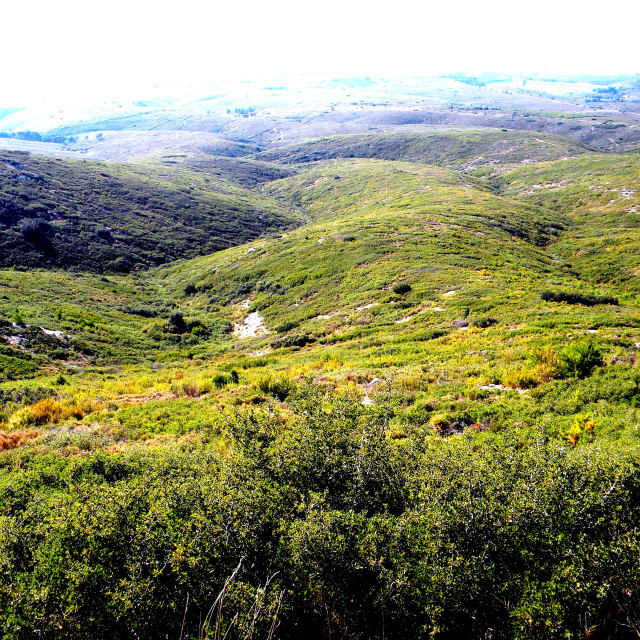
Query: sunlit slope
374	225
245	172
601	196
109	217
407	272
468	149
61	318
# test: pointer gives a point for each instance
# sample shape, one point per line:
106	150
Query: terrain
360	365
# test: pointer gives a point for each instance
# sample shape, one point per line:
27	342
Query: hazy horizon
74	52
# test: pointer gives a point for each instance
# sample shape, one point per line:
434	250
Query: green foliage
15	368
17	318
451	148
483	323
176	324
295	340
430	479
322	524
279	386
401	288
221	380
577	298
286	326
116	218
579	360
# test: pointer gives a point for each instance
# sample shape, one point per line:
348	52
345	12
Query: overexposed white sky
90	50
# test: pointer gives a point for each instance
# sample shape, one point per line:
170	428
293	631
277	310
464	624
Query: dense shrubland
317	521
110	218
435	435
571	297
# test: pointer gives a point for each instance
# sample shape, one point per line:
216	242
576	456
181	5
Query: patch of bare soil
252	326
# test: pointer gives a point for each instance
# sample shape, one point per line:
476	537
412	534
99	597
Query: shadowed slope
109	217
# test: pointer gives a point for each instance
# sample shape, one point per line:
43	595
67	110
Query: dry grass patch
17	438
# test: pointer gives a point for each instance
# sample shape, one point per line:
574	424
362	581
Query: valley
324	365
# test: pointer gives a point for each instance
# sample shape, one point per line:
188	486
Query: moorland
356	364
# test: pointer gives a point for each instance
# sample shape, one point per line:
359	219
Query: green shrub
579	360
483	323
279	386
401	288
176	324
221	381
331	515
286	326
577	298
296	340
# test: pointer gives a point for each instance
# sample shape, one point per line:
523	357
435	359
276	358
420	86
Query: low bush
17	438
322	523
401	288
279	386
46	411
286	326
483	323
577	298
220	381
579	360
296	340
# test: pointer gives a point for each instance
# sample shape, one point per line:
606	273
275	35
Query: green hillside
402	266
600	195
106	217
370	386
376	224
462	149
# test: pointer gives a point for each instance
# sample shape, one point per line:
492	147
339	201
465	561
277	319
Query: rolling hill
108	218
382	384
462	149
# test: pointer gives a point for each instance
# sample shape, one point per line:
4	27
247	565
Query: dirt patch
252	326
328	316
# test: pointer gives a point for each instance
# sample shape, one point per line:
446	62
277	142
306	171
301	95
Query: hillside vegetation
455	149
600	195
109	218
382	385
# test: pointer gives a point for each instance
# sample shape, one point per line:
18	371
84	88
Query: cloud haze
82	51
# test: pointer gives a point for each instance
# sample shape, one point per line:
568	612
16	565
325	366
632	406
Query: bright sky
113	49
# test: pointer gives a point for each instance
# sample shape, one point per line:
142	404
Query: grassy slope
99	314
601	196
372	225
464	149
375	224
382	224
148	457
107	217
